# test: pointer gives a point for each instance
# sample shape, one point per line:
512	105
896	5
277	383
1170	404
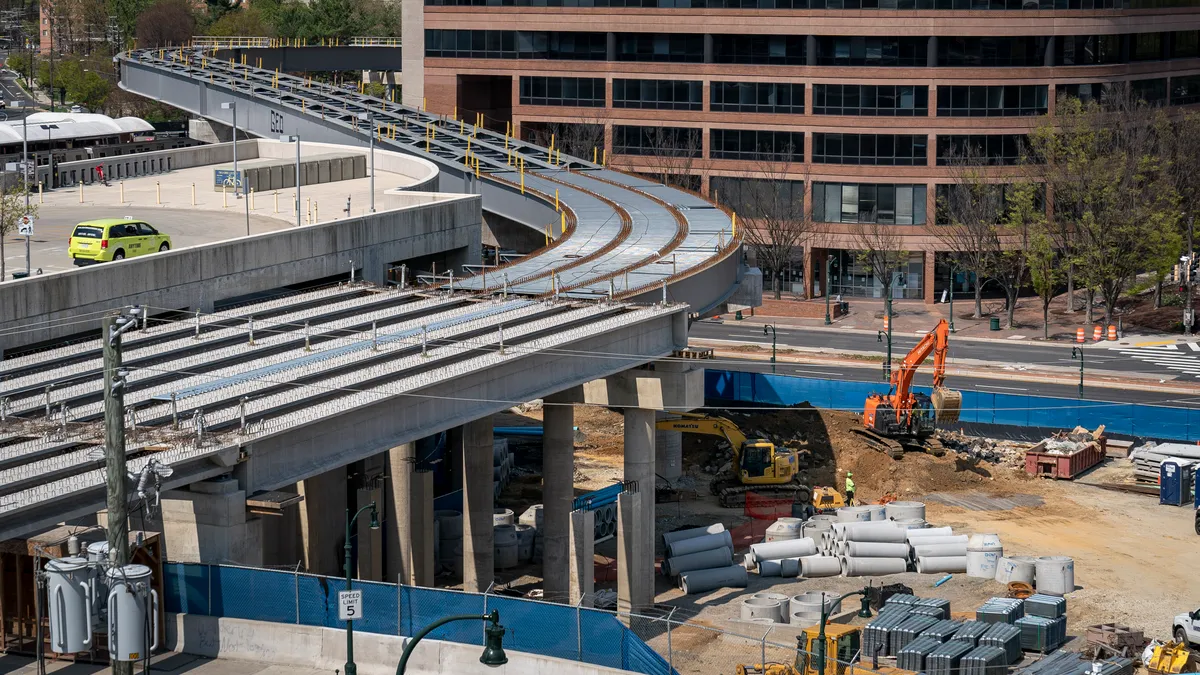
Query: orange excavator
904	417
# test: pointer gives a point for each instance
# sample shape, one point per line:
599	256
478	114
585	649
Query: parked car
112	239
1187	628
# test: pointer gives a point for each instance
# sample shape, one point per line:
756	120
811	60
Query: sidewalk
914	317
163	663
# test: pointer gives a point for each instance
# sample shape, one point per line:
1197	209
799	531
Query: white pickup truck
1186	628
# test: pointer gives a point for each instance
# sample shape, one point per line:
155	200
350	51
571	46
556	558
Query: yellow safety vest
849	485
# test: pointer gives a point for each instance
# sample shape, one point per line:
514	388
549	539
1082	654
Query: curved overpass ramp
620	235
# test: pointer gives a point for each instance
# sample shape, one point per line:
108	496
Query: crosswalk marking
1194	346
1170	357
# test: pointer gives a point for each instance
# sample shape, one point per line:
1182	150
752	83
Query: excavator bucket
946	404
1168	659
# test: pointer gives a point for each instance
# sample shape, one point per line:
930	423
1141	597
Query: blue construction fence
1131	419
559	631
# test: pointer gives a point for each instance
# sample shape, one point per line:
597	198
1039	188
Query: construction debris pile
1065	443
994	451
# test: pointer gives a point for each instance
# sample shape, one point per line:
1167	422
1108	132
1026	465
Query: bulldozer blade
947	403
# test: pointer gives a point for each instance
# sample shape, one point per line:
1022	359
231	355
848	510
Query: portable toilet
1176	482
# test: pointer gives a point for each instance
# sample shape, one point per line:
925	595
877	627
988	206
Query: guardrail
217	42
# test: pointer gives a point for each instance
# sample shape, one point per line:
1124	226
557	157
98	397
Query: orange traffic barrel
1112	332
885	322
1080	336
1097	333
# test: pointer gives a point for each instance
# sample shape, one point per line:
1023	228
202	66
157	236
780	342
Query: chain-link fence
663	641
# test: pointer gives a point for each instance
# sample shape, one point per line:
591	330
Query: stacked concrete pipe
703	555
450	534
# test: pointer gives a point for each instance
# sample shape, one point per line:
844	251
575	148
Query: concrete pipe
782	599
449	524
702	560
939	550
1016	568
769	568
1055	575
911	523
853	514
784	529
498	472
695	544
940	564
814	528
931	532
497	488
881	533
532	516
789	567
792	548
502	517
983	555
702	581
872	567
878	512
865	549
760	608
679	535
812	567
455	562
936	541
906	511
804	619
812	602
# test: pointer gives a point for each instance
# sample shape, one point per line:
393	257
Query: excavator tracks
889	446
731	494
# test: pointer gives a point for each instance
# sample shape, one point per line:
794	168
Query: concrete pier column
408	519
668	451
635	559
558	491
323	521
478	501
583	558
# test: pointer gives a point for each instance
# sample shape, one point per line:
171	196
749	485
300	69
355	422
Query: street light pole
828	287
773	336
370	119
351	667
1077	353
951	296
1188	316
887	332
231	106
493	650
296	139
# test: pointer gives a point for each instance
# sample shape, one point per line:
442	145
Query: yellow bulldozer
842	643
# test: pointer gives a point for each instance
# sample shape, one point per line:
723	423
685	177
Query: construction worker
849	489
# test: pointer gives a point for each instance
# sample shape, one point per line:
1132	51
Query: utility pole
1189	317
114	445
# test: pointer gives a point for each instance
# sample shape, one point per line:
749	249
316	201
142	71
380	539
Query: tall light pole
887	333
493	647
773	336
864	612
370	119
231	106
25	172
828	287
951	294
50	142
351	667
295	138
1189	317
1077	353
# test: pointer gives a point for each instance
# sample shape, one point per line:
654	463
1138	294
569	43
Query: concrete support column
408	519
635	559
558	491
635	544
583	558
323	521
668	451
931	55
478	501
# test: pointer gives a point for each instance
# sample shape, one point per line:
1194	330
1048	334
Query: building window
872	51
1146	47
1185	44
774	146
657	141
1085	92
658	94
677	47
757	97
747	195
995	101
576	139
991	52
830	4
1185	90
869	203
1087	50
946	194
511	44
568	91
850	276
997	149
781	50
869	100
871	149
1153	92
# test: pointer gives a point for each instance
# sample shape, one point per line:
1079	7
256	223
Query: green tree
1024	213
126	13
1045	270
243	22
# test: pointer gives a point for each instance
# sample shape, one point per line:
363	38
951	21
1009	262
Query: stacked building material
971	632
450	534
1006	637
870	548
532	517
1074	663
1000	610
702	581
1039	634
805	609
946	659
901	599
943	630
701	549
1048	606
939	608
908	630
875	638
502	464
984	660
1148	459
913	656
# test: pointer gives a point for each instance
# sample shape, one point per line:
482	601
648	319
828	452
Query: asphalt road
11	90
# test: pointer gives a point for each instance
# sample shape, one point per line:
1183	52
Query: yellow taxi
111	239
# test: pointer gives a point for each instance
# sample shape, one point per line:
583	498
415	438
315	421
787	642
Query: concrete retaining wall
49	306
325	649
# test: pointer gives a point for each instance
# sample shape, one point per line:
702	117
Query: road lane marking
992	386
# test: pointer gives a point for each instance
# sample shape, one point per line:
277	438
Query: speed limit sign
350	605
25	225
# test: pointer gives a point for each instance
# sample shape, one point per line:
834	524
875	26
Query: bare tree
971	208
1024	215
166	23
880	251
583	137
770	201
676	151
1182	147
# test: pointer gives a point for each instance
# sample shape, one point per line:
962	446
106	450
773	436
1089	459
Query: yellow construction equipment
842	644
826	499
1171	658
757	465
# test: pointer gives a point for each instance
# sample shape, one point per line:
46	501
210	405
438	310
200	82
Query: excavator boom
693	423
900	411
